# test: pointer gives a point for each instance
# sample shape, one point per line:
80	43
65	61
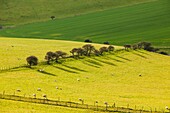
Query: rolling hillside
14	12
142	22
113	77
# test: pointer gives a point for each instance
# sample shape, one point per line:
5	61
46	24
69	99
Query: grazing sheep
41	70
34	95
39	89
78	79
166	107
140	75
57	88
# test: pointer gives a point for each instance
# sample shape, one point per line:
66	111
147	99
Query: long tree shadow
89	64
65	69
14	69
105	62
47	73
74	68
110	58
139	55
123	58
142	52
93	62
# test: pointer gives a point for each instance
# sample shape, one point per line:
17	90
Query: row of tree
86	50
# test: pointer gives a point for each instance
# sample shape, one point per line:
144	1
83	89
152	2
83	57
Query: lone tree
107	43
88	40
52	17
32	60
88	48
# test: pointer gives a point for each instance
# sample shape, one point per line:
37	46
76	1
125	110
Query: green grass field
113	77
21	12
130	24
7	106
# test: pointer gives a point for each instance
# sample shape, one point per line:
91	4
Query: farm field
113	77
129	24
22	107
16	12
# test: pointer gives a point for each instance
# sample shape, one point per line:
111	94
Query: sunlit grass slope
142	22
26	11
7	106
113	78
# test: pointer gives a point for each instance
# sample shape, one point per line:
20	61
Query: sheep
78	79
41	70
57	87
39	89
34	95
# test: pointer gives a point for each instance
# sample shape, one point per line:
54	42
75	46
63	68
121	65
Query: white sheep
78	79
34	95
39	89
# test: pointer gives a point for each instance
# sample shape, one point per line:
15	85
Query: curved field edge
113	77
21	12
131	24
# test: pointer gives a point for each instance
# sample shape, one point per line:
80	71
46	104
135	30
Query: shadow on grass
94	62
142	52
105	62
14	69
65	69
89	64
110	58
139	55
123	58
74	68
47	73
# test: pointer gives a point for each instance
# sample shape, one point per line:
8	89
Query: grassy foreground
131	24
21	107
19	12
113	78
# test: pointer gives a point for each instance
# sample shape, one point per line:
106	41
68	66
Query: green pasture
14	12
129	24
7	106
112	78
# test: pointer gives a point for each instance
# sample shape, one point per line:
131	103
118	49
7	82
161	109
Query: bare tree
52	17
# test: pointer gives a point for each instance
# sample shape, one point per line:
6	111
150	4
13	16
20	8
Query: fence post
4	92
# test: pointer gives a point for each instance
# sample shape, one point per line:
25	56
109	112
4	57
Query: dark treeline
88	50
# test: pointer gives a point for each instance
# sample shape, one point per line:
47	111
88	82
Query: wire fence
70	104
